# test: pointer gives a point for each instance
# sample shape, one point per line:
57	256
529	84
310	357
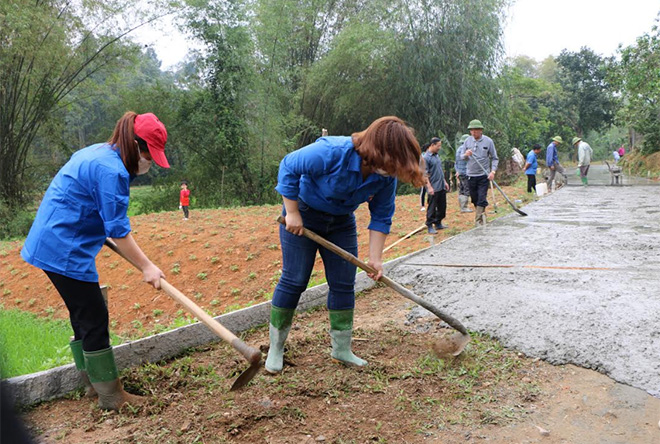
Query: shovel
521	212
250	353
453	345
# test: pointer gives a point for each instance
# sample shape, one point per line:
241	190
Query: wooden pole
416	230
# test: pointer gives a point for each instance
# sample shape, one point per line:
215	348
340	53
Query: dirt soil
230	258
222	259
405	395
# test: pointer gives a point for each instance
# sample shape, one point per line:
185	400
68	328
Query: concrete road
577	281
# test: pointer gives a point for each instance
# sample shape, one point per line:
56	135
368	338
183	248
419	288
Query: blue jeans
299	253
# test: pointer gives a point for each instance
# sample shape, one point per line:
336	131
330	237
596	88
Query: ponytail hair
123	137
389	144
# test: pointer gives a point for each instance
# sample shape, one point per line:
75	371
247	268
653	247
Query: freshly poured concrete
577	281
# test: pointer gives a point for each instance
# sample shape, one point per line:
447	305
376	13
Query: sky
535	28
539	28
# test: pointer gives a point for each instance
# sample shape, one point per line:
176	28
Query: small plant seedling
176	268
31	302
207	245
214	259
252	275
198	296
249	257
214	302
272	247
192	257
201	276
233	267
6	292
157	312
137	306
235	291
130	271
170	253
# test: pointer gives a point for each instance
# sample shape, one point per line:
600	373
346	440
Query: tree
587	93
637	78
47	49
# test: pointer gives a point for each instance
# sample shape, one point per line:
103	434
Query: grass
29	344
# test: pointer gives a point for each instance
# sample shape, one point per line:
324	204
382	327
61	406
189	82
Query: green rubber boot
341	333
585	182
280	324
79	360
104	377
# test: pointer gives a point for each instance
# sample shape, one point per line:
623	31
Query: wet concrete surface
577	281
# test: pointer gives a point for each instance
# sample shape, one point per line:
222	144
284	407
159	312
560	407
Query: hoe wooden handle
403	291
251	354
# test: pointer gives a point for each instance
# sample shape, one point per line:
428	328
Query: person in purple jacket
322	184
86	203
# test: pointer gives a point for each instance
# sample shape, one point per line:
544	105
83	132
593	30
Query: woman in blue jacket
86	203
321	185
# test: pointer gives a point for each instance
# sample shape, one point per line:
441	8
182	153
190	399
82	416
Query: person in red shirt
184	199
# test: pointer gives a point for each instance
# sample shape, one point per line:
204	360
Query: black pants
422	195
531	183
479	190
437	209
87	310
185	211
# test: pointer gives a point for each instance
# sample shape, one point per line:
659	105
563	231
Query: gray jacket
434	171
484	152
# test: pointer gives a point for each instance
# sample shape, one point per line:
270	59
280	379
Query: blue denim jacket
86	202
326	175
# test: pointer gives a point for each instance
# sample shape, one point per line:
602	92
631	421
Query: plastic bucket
541	189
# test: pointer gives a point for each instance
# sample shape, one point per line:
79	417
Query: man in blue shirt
552	162
436	186
531	165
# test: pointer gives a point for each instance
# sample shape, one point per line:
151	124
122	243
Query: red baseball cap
148	127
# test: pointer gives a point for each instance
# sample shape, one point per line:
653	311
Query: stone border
56	382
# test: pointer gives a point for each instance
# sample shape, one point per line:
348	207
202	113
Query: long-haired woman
321	185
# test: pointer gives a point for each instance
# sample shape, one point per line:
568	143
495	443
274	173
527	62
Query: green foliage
587	93
637	77
14	222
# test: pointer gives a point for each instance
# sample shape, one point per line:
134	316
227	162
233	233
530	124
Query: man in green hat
584	158
482	161
461	175
552	162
